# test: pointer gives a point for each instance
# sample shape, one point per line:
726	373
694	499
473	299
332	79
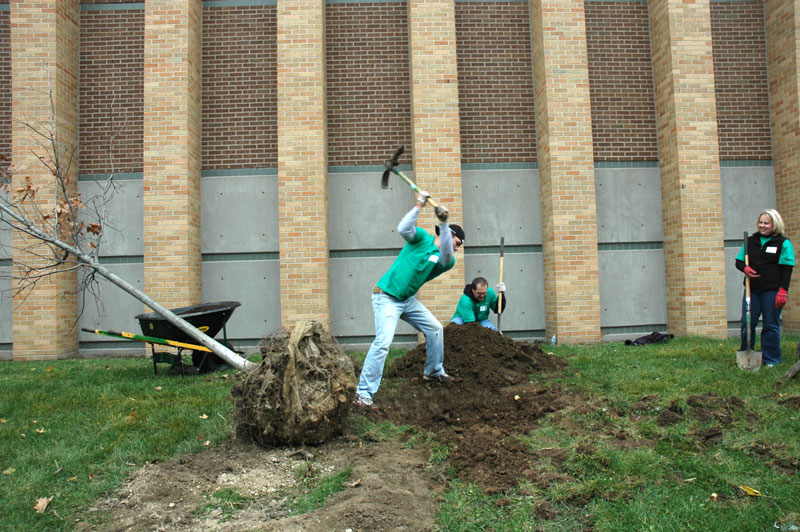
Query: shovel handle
413	185
747	277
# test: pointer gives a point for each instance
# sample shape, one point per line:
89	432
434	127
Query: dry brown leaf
42	504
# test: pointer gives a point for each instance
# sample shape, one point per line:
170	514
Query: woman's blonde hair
777	222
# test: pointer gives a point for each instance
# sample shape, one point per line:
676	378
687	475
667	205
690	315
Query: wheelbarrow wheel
206	362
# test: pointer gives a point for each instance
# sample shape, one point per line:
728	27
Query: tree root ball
300	392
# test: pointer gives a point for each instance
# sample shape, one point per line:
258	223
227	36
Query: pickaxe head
390	164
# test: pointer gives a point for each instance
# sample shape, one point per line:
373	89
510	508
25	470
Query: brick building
620	147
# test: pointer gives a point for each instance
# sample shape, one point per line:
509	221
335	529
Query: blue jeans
388	311
458	320
762	304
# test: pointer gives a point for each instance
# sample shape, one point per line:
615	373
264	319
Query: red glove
780	298
750	272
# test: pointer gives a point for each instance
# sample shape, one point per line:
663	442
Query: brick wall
172	153
435	129
621	81
368	93
302	163
5	85
740	70
495	82
689	162
240	100
782	19
44	49
569	212
111	91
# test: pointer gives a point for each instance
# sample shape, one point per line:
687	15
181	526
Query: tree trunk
85	260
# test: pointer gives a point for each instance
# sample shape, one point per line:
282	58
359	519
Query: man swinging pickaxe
441	212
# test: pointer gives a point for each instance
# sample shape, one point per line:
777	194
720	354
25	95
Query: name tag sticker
433	258
772	249
483	308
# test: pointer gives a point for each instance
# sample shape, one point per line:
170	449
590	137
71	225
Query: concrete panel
239	214
6	305
522	274
628	205
122	234
352	280
113	309
746	191
501	203
632	288
362	215
734	285
256	285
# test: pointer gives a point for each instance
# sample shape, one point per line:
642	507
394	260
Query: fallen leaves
750	491
41	504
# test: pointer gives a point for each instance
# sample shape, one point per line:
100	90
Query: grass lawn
74	429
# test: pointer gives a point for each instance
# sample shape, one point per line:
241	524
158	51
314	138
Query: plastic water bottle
553	340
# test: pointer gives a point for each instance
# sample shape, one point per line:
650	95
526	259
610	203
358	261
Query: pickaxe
391	164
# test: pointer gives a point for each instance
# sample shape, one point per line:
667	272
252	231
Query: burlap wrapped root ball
300	393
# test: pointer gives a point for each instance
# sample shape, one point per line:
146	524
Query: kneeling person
476	302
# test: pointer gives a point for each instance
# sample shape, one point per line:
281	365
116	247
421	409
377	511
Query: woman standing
771	260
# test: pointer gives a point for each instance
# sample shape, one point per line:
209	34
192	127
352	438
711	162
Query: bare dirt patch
393	486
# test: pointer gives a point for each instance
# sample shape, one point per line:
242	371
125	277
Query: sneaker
769	365
362	401
444	378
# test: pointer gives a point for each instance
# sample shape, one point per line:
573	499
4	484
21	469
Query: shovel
747	360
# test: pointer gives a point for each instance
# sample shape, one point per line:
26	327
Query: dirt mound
299	393
489	402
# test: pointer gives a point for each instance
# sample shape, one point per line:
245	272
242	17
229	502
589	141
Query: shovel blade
748	360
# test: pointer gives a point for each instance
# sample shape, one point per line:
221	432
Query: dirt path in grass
393	486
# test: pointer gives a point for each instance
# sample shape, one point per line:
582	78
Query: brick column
302	162
566	170
172	151
683	72
44	59
783	52
435	132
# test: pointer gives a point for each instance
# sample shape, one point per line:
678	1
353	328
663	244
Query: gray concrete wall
746	191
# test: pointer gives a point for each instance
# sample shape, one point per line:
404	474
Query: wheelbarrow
209	318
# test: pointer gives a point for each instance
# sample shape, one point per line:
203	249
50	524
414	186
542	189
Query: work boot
444	378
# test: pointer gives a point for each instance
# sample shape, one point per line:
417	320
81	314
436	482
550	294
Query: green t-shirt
470	310
417	263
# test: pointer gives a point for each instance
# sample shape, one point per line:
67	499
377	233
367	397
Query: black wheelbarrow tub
208	317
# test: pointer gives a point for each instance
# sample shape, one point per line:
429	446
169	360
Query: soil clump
299	394
490	400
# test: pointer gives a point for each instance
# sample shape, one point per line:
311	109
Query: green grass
620	469
226	500
73	430
316	490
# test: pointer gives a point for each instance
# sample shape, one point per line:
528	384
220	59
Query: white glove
501	287
422	198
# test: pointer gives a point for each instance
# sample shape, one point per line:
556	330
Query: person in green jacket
476	302
423	257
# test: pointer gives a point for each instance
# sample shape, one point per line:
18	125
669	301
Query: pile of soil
299	394
393	486
490	401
